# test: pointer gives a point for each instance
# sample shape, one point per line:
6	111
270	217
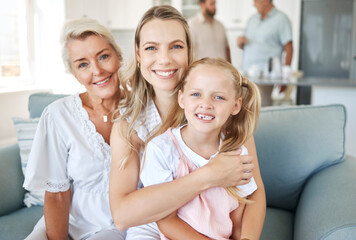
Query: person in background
163	51
208	34
267	35
70	156
217	111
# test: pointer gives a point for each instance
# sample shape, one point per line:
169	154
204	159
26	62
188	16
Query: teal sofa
310	182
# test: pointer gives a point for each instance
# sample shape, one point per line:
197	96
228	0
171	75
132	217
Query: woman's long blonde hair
135	87
239	127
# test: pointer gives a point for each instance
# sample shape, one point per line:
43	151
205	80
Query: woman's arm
132	207
56	213
175	228
254	214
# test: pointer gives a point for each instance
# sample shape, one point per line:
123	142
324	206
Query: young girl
163	51
219	109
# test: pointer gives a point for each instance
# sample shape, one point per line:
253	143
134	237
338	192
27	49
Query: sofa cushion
26	129
38	101
11	180
293	143
18	225
279	224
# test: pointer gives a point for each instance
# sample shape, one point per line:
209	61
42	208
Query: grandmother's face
95	64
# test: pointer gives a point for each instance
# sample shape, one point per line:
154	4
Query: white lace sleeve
47	164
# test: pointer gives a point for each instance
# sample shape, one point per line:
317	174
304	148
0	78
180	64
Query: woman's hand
230	169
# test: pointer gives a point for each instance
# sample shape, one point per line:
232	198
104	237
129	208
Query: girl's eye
219	98
82	65
195	94
150	48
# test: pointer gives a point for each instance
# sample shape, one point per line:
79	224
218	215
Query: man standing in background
208	34
268	33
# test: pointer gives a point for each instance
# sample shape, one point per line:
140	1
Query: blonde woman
70	156
163	50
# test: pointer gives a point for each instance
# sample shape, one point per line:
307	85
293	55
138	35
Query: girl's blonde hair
135	87
81	29
239	127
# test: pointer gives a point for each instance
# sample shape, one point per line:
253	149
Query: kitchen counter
307	81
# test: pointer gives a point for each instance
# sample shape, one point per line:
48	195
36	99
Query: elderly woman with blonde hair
70	157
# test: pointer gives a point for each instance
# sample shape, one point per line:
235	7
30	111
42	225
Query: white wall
12	104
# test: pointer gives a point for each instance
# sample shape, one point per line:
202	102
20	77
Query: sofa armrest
11	180
327	208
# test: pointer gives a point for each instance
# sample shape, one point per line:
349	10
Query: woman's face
95	65
162	54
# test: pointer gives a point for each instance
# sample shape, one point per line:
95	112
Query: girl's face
208	99
163	53
95	65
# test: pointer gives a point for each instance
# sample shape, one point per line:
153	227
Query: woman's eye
150	48
82	65
177	46
105	56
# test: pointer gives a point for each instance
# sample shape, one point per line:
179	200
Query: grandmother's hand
230	169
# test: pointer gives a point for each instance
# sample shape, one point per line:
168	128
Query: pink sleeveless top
209	212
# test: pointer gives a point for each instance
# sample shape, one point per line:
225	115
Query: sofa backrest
295	142
38	101
11	180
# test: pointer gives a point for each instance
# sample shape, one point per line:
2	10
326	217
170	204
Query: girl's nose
206	104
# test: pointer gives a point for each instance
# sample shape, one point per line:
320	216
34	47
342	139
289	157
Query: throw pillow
26	129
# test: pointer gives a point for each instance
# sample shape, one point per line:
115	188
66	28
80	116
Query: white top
209	39
68	152
148	121
162	158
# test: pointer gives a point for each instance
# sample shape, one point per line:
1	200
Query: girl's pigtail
242	126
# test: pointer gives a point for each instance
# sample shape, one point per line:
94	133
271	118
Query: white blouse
68	152
148	121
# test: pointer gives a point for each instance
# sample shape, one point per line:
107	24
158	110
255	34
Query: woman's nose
164	57
96	68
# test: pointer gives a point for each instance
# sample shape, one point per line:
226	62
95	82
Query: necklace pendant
105	118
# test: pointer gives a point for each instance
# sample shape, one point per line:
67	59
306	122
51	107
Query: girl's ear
237	107
180	99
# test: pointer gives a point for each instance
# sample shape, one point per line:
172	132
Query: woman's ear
180	99
237	107
137	53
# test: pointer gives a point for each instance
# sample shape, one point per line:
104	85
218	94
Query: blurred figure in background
268	33
208	34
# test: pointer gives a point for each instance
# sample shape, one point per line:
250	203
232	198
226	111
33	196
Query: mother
162	52
70	157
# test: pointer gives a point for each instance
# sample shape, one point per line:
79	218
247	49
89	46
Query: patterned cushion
26	129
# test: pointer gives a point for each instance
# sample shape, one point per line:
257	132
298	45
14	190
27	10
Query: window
30	52
10	45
